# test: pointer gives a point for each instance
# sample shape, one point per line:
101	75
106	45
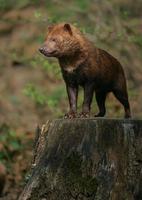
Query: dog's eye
54	39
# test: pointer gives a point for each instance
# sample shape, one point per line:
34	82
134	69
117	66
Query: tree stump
87	159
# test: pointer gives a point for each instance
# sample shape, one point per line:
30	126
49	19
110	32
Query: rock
87	159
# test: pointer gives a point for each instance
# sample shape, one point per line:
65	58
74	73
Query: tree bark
87	159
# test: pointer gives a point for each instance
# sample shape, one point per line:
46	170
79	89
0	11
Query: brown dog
82	64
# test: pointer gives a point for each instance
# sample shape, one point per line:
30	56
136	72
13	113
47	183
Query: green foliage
40	39
50	67
40	98
9	4
10	143
56	96
51	98
6	4
124	13
37	14
137	40
83	4
35	94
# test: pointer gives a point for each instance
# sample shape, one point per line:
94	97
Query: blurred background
31	86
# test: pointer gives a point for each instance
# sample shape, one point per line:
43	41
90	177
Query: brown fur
83	64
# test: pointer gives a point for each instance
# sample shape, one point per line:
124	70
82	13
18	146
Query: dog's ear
67	28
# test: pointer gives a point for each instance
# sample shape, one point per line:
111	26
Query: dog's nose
41	49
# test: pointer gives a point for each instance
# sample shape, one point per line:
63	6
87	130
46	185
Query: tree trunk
87	159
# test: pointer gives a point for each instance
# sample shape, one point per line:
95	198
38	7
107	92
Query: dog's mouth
47	53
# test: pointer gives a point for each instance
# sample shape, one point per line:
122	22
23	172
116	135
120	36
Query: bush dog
83	64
